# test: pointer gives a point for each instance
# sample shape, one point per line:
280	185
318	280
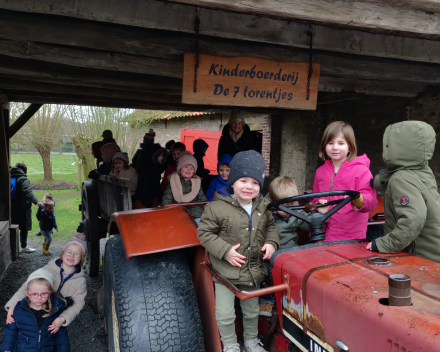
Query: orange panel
155	230
379	208
187	137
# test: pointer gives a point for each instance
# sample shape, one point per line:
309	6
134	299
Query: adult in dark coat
21	206
236	136
199	148
107	136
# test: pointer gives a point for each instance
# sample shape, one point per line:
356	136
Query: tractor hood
337	295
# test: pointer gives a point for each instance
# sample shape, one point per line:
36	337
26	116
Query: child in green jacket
239	232
409	188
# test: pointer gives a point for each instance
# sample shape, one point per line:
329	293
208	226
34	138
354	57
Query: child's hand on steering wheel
322	210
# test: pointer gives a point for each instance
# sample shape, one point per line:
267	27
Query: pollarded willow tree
89	122
42	131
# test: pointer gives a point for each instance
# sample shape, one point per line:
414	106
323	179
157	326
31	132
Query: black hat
247	164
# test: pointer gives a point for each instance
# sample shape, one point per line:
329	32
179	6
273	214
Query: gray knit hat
247	164
41	274
237	116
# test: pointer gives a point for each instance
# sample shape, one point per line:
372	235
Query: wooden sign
249	81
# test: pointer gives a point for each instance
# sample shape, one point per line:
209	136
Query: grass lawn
67	214
62	168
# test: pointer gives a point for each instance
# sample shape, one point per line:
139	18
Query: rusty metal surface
155	230
204	287
335	294
244	295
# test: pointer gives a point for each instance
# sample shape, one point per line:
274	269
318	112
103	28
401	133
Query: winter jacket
129	173
226	144
224	223
198	146
74	286
218	182
147	190
348	223
24	335
411	198
21	212
169	170
288	229
47	220
197	210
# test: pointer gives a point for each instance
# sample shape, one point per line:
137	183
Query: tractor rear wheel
375	231
150	302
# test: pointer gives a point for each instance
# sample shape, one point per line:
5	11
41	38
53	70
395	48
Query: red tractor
158	292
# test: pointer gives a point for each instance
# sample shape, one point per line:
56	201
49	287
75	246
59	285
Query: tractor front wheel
150	303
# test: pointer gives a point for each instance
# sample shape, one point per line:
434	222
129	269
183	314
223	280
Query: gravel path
86	332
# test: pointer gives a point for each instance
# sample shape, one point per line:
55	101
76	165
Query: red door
187	137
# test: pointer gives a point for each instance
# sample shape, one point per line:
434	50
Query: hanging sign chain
197	46
310	60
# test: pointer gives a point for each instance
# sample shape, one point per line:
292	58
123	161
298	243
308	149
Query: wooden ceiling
130	53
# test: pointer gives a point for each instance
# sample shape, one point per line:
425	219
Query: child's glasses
36	295
75	254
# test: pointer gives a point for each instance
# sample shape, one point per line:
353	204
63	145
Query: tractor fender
154	230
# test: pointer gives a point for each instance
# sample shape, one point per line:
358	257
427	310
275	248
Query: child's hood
226	158
198	146
408	145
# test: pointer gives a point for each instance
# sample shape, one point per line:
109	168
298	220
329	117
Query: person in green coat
239	233
409	188
21	213
185	186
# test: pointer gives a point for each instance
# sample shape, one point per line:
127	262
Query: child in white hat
69	281
34	314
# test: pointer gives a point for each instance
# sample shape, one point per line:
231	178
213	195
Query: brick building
168	125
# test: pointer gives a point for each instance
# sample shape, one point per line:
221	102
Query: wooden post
5	188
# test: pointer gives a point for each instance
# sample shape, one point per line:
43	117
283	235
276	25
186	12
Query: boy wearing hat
239	232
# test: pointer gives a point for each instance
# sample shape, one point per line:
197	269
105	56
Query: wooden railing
114	195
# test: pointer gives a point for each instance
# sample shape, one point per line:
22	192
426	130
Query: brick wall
265	149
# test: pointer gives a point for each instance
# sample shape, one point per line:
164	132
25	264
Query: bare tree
41	131
89	123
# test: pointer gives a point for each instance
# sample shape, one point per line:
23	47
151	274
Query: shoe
27	249
46	248
232	348
253	345
266	309
38	233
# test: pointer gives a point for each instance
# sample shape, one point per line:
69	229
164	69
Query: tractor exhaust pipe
400	290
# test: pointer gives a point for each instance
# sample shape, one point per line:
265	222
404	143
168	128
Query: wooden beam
5	188
331	64
24	117
26	85
176	17
77	76
417	17
371	87
358	14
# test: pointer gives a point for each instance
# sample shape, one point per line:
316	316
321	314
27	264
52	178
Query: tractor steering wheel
316	220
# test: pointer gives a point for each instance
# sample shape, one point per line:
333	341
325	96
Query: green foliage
67	214
62	167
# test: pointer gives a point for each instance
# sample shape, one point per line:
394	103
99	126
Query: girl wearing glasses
69	281
33	316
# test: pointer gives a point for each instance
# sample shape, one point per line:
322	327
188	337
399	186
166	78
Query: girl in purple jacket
343	170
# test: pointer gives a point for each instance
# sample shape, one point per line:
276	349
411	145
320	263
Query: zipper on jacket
39	338
250	230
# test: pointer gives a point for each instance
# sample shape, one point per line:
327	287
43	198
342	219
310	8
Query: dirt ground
86	332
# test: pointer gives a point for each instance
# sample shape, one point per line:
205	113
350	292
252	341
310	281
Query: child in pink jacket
341	171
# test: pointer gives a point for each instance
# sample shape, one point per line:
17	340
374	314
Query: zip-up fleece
411	198
24	335
348	223
224	223
73	286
